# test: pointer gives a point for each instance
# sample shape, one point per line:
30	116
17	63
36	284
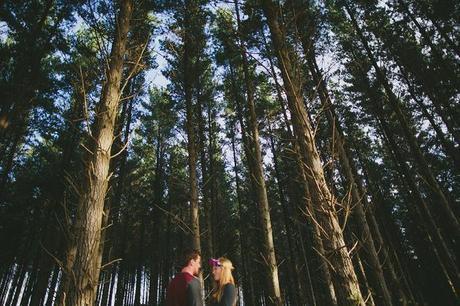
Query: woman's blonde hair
225	278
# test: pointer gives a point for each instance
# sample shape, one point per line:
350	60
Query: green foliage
53	60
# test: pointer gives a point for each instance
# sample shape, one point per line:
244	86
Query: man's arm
194	297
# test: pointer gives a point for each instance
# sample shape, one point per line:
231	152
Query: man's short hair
188	255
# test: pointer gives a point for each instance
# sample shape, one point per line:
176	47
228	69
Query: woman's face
216	272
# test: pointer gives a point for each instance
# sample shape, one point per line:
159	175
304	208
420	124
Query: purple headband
214	262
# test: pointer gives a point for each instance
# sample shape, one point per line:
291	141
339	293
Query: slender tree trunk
89	216
100	287
155	265
121	285
105	286
214	190
70	253
345	280
190	127
7	278
41	286
207	175
52	288
247	281
250	161
140	259
30	282
123	269
328	296
137	296
258	175
16	285
165	271
112	285
292	258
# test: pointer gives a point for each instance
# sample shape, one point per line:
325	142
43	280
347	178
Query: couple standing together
185	288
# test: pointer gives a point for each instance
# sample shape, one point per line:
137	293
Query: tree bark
297	292
373	267
248	281
257	174
327	295
190	126
344	278
90	212
207	174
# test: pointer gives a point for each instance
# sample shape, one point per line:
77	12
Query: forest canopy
315	144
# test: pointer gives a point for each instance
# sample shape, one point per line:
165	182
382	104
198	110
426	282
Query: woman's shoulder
229	295
230	289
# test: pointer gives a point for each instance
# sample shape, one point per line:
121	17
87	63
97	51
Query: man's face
196	264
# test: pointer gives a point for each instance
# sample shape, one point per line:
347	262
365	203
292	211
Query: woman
224	292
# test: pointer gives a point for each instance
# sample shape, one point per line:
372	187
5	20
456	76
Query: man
185	287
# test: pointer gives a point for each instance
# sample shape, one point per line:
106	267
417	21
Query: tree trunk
374	272
53	287
112	285
327	295
247	282
246	148
140	260
16	284
207	175
215	192
298	298
190	127
82	290
257	173
7	278
110	220
345	280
